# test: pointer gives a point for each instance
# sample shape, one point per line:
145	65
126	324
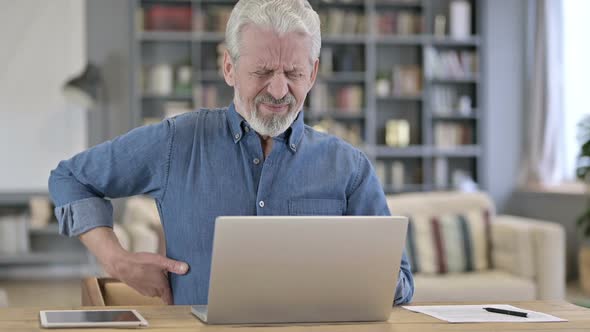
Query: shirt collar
293	134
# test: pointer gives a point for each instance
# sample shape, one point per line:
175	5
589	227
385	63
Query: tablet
92	318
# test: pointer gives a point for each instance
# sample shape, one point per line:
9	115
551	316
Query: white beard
269	125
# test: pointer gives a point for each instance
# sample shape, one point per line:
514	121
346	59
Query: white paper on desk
476	314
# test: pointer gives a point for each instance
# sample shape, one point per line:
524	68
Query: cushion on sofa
446	243
492	285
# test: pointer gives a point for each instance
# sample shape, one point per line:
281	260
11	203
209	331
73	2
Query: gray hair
282	16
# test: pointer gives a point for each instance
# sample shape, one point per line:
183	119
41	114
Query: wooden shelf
343	77
451	80
401	40
379	52
457	151
18	198
401	98
398	4
180	36
44	258
334	115
413	151
345	39
473	41
455	116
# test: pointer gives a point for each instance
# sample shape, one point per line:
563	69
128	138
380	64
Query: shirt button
247	129
261	204
256	161
237	136
293	146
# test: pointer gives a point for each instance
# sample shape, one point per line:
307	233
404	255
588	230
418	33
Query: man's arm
367	199
135	163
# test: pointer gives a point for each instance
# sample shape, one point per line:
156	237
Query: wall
108	32
504	30
563	208
43	44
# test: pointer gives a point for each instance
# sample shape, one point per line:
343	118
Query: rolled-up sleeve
131	164
366	199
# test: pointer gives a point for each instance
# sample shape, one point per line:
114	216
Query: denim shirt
210	163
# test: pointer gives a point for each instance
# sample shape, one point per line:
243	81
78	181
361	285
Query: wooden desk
179	318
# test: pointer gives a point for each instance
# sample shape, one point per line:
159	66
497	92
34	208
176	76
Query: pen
506	312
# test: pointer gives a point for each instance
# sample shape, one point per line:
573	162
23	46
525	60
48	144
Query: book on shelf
164	17
403	23
450	63
337	21
350	99
407	80
14	237
206	96
347	99
380	172
447	101
216	17
348	132
326	61
448	134
441	172
398	176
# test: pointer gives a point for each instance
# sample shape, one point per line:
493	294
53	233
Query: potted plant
583	222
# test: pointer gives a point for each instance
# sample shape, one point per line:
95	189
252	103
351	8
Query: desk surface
179	318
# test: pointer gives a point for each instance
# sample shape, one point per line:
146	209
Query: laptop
303	269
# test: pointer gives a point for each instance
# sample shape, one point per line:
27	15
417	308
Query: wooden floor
34	293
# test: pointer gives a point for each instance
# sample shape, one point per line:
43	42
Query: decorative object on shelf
460	17
407	80
465	108
397	133
440	25
41	212
160	79
184	80
383	85
463	181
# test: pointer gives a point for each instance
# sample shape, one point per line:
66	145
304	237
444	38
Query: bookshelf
27	252
392	80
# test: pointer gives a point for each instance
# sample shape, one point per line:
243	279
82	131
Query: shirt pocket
316	207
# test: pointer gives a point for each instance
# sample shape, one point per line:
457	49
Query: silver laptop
303	269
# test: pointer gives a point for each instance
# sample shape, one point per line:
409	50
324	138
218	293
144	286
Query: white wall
504	33
43	44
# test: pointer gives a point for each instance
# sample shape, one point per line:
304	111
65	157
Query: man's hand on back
145	272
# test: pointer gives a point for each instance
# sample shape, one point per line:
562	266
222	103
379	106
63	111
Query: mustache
268	99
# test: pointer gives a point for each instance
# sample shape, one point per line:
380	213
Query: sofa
525	257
